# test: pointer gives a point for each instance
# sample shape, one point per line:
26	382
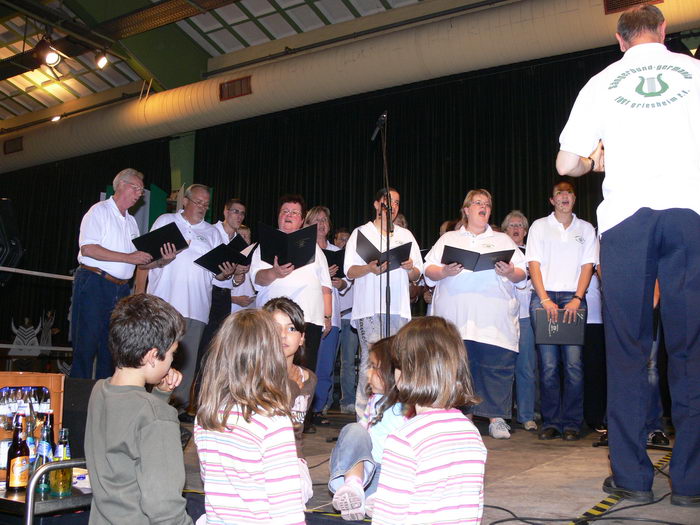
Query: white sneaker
369	505
498	429
350	501
530	425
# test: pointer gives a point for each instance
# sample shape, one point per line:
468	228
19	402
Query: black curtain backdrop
49	202
496	129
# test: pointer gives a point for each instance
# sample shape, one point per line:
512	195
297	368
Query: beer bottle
61	480
17	460
44	454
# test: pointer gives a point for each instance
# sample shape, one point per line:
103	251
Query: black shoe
642	496
685	501
602	440
549	433
571	435
311	429
657	437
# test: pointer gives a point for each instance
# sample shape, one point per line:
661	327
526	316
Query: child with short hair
301	381
433	465
355	462
243	431
132	437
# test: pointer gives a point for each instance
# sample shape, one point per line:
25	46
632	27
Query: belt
104	274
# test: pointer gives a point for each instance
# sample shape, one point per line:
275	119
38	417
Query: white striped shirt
432	472
250	471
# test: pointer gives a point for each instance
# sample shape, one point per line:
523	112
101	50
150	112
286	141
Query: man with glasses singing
107	261
186	285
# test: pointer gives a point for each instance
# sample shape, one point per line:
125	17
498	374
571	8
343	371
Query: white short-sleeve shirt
482	305
561	251
103	224
182	283
369	293
303	286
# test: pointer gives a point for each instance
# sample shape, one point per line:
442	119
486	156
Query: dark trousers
219	310
312	340
94	298
634	253
594	380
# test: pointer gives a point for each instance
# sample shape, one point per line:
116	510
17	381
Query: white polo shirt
369	298
244	289
303	286
482	305
182	283
103	224
561	251
646	109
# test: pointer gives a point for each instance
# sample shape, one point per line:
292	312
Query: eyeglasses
321	220
139	189
236	212
485	204
293	213
515	225
199	204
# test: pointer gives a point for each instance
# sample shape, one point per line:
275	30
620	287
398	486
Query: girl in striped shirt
433	465
356	459
243	431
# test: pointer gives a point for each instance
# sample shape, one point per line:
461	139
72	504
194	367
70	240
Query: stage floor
529	477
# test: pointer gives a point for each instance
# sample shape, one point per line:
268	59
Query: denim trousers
525	368
325	363
354	445
493	371
370	330
656	409
651	245
561	375
349	343
94	298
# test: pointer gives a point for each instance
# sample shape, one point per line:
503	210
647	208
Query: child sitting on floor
243	431
132	437
433	465
302	381
356	460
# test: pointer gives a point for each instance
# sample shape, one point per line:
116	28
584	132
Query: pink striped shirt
250	472
432	472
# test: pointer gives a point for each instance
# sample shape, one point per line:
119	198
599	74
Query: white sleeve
582	131
534	250
590	246
351	256
434	258
322	271
92	227
257	264
415	254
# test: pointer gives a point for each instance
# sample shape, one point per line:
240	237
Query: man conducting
643	110
106	264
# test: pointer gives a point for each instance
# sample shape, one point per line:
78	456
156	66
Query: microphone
380	122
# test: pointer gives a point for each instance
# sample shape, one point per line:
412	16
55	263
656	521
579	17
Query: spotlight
56	118
52	58
101	60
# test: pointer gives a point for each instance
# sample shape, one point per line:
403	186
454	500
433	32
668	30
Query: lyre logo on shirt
200	238
488	245
651	86
579	239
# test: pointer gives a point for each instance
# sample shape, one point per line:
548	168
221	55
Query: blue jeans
562	405
370	330
493	371
525	367
94	298
349	343
656	409
325	363
354	445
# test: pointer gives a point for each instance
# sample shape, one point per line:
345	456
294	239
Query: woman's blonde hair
470	197
434	367
244	366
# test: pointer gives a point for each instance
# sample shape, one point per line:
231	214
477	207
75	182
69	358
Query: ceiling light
101	60
52	58
56	118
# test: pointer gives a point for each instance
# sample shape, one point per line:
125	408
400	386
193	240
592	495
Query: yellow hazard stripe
606	504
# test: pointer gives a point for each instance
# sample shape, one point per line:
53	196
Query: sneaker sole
351	507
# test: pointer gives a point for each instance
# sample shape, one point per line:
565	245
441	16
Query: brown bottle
17	460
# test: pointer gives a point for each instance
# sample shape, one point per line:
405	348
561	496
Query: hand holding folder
153	241
297	248
394	257
474	261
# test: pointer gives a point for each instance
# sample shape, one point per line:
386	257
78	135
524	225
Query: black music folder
226	253
298	248
474	261
559	332
152	241
369	252
337	258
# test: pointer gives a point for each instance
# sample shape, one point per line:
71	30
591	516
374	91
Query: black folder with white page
153	241
298	248
474	261
369	252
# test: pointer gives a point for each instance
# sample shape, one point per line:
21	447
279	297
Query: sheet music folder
474	261
298	248
337	258
369	252
559	333
226	253
152	241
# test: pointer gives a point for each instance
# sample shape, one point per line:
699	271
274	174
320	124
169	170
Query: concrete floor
531	478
